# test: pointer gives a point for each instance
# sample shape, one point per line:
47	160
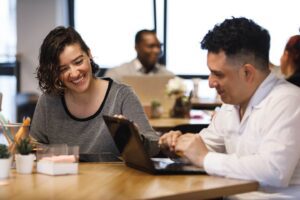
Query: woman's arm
133	110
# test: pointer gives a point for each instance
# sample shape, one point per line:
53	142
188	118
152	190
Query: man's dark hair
139	35
239	37
52	46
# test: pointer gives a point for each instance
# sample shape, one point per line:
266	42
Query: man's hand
192	147
168	140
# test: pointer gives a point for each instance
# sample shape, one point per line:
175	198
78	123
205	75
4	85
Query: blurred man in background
148	50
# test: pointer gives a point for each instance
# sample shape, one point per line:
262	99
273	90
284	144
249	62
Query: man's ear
249	72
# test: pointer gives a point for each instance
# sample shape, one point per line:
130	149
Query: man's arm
271	155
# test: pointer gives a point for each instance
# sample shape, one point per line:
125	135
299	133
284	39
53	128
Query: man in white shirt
256	133
148	50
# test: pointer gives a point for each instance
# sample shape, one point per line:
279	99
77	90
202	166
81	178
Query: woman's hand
120	116
123	117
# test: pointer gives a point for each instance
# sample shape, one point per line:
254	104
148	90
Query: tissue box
56	168
57	159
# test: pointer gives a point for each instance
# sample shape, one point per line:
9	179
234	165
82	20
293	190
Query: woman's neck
86	104
86	96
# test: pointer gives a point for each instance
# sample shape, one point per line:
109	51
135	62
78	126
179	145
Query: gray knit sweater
54	124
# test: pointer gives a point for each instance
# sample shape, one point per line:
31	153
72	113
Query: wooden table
116	181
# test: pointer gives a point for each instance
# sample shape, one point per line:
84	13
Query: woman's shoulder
48	98
119	86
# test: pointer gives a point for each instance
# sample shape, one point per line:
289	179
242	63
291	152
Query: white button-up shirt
264	145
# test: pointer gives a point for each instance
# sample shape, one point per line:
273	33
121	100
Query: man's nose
157	49
212	82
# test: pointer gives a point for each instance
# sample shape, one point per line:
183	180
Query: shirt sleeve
38	125
274	160
214	142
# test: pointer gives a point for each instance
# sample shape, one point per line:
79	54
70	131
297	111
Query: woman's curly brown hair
52	46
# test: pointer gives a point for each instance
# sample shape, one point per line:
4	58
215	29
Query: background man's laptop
149	88
128	141
0	100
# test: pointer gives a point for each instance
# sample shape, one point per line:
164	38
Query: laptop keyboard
169	165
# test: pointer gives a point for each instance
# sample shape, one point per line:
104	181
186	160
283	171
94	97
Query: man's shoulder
163	70
129	64
284	87
284	94
123	68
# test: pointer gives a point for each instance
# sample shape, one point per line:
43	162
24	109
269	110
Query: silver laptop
129	144
0	101
149	88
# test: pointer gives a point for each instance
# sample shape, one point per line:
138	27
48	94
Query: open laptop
129	144
149	88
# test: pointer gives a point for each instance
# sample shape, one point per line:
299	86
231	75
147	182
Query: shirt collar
139	67
263	90
137	64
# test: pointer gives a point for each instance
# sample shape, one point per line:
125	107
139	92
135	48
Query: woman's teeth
77	80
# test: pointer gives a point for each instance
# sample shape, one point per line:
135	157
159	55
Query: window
7	57
109	27
115	22
8	37
189	21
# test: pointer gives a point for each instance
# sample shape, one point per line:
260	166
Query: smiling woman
73	102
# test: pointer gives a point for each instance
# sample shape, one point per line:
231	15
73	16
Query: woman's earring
60	84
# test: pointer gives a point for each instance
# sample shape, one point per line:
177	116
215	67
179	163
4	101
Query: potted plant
5	161
156	109
182	104
24	156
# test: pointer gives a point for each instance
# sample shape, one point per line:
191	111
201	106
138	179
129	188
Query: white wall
35	18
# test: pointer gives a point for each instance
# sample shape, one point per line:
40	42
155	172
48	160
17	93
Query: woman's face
75	69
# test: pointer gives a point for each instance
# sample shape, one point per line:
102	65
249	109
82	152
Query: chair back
26	103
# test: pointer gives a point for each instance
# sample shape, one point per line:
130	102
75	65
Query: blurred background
109	27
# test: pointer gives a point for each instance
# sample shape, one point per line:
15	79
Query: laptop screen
128	142
150	88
